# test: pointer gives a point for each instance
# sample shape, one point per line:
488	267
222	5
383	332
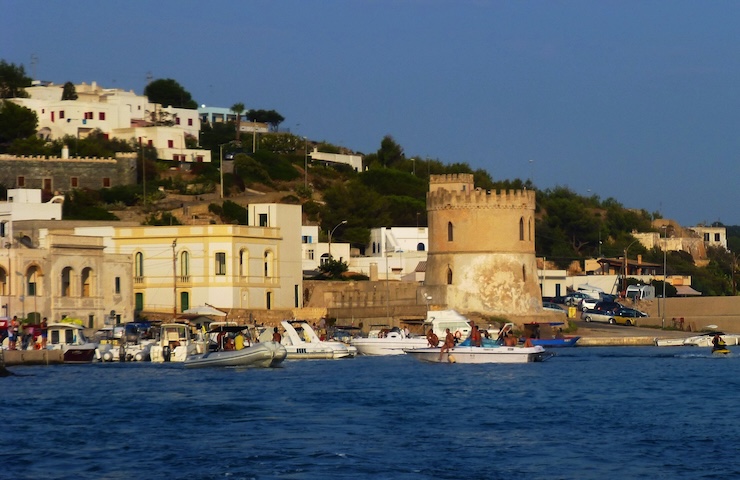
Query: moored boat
548	334
69	338
175	343
262	354
298	348
394	342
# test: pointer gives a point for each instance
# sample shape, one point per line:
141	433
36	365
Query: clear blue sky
635	100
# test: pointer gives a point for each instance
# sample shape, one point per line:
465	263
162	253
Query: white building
354	161
314	252
117	113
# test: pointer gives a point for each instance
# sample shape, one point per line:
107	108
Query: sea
586	413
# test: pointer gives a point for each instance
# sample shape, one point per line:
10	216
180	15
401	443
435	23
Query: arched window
244	262
420	247
269	264
139	264
521	228
524	274
449	276
530	229
86	282
184	266
67	282
449	231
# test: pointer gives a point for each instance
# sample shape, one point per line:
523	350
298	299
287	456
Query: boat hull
482	355
388	346
555	342
261	355
79	354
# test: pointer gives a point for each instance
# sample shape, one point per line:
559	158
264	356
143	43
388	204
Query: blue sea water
587	413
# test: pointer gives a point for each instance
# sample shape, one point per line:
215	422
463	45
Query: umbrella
205	310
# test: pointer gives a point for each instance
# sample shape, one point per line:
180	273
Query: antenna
34	62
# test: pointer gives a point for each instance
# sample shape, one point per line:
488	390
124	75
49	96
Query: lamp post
305	163
624	276
221	167
665	274
174	279
332	232
143	170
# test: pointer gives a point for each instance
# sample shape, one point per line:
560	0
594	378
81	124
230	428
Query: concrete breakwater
31	357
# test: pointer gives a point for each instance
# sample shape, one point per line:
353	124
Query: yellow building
231	267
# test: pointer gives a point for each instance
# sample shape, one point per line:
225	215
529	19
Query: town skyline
631	101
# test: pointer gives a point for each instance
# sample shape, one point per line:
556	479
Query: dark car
630	312
604	307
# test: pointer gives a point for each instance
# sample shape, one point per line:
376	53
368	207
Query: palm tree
238	109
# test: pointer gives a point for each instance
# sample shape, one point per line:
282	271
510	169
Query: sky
633	100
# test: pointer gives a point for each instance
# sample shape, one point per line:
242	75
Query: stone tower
481	249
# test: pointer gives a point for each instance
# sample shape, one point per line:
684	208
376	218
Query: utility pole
174	280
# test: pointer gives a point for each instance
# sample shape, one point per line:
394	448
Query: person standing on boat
449	343
276	337
475	338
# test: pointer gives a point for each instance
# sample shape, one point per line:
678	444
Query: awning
684	291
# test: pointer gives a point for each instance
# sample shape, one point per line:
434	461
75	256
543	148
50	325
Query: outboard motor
122	353
166	353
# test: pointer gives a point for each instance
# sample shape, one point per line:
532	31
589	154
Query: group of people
28	339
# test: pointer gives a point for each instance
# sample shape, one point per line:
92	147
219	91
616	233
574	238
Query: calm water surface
588	413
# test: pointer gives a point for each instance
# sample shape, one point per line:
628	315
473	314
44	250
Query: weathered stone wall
57	173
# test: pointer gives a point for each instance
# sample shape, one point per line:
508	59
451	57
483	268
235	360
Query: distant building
118	114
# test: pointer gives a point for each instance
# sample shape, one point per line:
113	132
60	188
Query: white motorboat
485	354
705	339
394	342
341	350
302	348
69	338
262	354
126	342
702	340
175	344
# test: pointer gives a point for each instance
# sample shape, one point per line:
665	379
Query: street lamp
221	166
174	279
143	169
665	274
305	163
624	276
332	232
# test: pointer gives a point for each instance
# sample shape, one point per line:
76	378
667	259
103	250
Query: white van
640	292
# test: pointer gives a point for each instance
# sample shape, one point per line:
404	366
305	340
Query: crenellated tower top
457	191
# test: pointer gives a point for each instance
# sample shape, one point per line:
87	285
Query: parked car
625	316
575	298
554	307
588	303
630	313
556	299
